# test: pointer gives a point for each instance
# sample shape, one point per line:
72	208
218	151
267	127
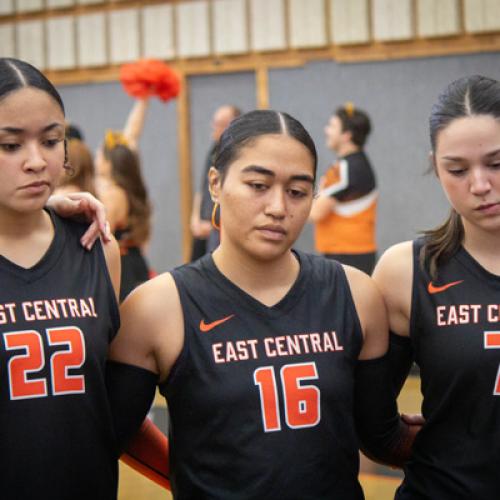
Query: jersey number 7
301	401
492	341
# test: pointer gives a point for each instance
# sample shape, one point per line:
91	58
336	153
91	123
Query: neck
483	246
347	149
16	225
266	281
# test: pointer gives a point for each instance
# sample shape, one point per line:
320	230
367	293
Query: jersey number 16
301	401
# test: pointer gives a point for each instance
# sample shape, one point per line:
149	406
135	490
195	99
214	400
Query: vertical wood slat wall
77	41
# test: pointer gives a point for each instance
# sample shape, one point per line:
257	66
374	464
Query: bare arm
112	254
322	206
393	276
135	123
371	312
152	331
142	353
115	202
384	436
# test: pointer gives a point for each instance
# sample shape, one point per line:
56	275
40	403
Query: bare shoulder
112	255
393	275
152	326
371	312
396	259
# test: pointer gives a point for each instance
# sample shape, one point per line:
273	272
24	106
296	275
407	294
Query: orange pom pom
150	77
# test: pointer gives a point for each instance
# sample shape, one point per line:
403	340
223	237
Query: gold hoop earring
214	217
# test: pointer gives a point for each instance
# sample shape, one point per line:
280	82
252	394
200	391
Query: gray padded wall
398	95
207	93
96	107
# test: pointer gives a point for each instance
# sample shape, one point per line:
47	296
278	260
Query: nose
35	159
276	205
479	182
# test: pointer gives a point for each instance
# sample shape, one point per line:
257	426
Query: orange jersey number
492	341
302	402
32	360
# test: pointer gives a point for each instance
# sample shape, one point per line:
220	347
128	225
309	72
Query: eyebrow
16	130
459	158
265	171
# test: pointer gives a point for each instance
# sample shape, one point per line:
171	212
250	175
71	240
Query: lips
35	187
489	208
272	231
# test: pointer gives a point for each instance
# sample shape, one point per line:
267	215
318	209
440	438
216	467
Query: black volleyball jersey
56	321
261	398
455	332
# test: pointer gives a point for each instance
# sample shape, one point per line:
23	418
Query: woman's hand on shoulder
393	275
371	313
151	334
83	206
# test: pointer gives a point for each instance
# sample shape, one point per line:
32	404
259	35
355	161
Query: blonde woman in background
120	186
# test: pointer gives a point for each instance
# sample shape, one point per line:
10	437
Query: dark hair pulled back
254	124
467	96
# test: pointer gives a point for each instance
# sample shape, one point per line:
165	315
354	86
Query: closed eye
258	186
457	172
50	143
297	193
10	147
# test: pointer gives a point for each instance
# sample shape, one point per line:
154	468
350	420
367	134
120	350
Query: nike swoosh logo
206	327
432	289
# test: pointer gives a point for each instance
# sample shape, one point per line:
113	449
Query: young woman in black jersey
58	312
270	359
442	293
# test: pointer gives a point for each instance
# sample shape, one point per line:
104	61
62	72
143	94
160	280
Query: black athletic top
456	340
56	321
261	398
134	268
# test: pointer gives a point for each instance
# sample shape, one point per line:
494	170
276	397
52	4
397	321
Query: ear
347	136
214	183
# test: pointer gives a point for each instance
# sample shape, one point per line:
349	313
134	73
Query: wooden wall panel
193	39
6	7
30	42
230	26
437	18
349	21
481	15
28	5
89	2
392	20
157	32
61	53
307	23
7	40
91	40
267	25
124	35
59	4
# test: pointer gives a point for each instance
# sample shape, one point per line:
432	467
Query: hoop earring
67	165
214	216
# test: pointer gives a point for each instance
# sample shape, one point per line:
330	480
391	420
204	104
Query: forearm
384	437
131	391
135	122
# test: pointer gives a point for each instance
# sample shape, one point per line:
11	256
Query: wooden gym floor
379	483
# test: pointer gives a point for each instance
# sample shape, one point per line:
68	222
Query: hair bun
349	108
